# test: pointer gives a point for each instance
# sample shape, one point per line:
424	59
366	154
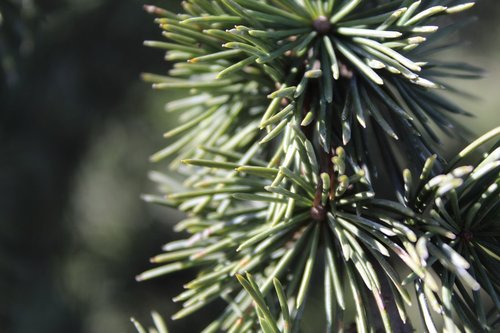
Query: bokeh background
76	129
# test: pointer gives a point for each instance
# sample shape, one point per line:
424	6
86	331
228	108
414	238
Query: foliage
297	118
459	237
159	325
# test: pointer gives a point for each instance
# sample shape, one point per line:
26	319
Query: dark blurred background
76	129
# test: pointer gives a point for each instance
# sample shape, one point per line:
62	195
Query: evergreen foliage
297	118
159	324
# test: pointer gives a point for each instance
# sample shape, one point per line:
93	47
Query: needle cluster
291	108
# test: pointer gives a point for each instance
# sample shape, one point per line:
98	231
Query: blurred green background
76	129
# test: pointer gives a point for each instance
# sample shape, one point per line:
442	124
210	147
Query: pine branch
291	109
458	237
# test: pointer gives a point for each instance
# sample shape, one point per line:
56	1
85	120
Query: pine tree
310	152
